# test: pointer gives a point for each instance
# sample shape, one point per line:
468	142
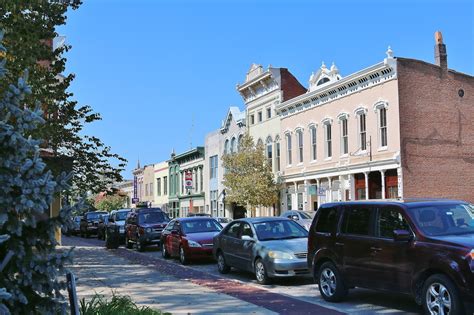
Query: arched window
226	147
233	145
327	123
239	143
299	137
269	151
288	148
313	135
277	153
322	81
259	143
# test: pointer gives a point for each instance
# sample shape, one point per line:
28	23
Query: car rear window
151	217
200	226
327	220
357	221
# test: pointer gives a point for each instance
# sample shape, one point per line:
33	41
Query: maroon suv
424	248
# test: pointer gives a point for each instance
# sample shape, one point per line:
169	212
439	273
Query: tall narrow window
288	148
239	142
252	119
260	116
226	147
328	136
277	145
233	145
383	126
314	154
165	185
269	113
270	152
344	137
158	186
299	136
362	132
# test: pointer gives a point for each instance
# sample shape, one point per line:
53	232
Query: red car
189	238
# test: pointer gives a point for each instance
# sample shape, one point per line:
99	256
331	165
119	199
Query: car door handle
376	249
339	244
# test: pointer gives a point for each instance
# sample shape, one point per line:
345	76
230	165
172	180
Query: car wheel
331	284
182	256
261	272
140	246
222	267
127	243
164	252
440	296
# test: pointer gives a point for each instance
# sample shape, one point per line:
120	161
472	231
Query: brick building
399	128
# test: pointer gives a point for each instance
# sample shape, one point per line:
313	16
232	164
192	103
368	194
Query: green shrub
118	305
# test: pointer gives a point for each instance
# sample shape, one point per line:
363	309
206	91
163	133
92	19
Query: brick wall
436	131
290	86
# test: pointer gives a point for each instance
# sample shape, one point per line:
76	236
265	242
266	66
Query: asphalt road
359	301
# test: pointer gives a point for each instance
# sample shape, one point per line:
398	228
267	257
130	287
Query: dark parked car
143	227
90	222
116	225
189	238
423	248
102	226
270	247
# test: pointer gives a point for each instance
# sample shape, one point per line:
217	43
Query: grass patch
118	305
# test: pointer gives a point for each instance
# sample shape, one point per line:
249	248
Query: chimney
441	57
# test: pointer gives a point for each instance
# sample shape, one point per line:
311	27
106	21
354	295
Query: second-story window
252	119
362	132
270	152
277	149
165	185
383	126
314	154
158	186
288	148
299	136
260	116
328	139
344	137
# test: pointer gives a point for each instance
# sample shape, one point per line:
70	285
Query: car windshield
94	215
452	219
200	226
307	215
121	215
152	217
279	230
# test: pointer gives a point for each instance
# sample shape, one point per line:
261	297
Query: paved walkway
173	288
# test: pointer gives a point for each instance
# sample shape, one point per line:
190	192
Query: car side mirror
295	218
247	238
402	235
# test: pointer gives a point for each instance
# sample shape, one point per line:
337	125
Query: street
300	292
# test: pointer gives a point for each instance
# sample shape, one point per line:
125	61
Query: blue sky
151	68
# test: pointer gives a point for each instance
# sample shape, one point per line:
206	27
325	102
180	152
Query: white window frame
277	154
358	114
313	137
288	149
378	110
327	122
343	118
300	142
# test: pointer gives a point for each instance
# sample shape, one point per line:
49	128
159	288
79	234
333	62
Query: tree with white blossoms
32	279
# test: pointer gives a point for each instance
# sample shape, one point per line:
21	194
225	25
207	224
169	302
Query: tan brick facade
436	131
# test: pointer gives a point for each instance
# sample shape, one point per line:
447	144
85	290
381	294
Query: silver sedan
270	247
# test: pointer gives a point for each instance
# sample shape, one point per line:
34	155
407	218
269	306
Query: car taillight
141	231
471	254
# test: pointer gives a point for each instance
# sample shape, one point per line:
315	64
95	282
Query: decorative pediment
323	77
235	114
254	71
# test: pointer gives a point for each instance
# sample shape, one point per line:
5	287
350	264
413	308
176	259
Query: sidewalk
101	271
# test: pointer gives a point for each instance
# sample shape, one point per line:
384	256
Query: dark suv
90	222
143	227
424	248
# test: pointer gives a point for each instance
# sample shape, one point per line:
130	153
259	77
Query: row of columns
197	183
294	197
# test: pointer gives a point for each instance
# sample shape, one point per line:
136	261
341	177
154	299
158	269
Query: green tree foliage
30	282
29	29
248	177
109	202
